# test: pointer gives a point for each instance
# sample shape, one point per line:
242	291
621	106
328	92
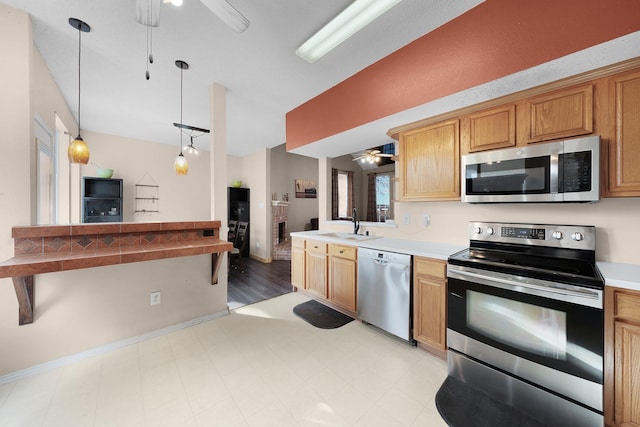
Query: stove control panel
523	232
559	236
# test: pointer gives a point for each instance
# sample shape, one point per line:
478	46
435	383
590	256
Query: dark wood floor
258	281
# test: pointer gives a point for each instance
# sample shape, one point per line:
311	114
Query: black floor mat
320	316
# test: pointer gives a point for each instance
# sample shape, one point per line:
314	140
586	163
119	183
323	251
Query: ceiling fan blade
384	155
228	14
358	158
374	152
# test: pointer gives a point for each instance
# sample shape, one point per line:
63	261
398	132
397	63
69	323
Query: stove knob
490	231
577	236
478	230
557	235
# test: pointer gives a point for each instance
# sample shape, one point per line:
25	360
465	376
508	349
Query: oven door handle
574	294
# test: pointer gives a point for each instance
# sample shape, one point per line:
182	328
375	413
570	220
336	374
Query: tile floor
260	366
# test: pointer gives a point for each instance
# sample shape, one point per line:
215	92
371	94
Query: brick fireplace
280	231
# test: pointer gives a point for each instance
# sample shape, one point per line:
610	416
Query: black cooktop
552	266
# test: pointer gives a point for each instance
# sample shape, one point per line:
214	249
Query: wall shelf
146	198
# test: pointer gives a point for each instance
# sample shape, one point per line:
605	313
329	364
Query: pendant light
181	165
78	151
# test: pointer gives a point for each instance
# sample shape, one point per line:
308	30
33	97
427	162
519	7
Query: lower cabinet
343	270
622	356
298	263
316	268
429	302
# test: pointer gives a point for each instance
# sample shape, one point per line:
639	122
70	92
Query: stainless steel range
525	319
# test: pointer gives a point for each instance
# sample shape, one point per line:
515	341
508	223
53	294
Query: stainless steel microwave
560	171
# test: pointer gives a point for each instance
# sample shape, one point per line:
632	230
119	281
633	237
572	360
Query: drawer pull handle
342	251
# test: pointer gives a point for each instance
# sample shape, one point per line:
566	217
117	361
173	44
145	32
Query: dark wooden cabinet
238	202
101	200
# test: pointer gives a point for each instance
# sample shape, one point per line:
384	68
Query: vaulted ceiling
263	76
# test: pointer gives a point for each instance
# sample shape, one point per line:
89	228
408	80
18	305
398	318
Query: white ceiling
263	76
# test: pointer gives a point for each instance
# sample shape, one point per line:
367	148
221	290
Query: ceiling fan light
351	20
78	151
181	165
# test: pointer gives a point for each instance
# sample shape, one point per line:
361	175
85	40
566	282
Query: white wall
144	162
285	169
616	221
257	178
82	309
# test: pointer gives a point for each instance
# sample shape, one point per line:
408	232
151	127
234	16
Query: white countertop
620	275
615	274
411	247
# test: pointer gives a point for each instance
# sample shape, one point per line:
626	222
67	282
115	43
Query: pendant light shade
180	164
78	151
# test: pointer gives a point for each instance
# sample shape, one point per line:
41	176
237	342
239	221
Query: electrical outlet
156	298
426	219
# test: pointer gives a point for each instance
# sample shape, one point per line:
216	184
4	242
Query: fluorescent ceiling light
228	14
347	23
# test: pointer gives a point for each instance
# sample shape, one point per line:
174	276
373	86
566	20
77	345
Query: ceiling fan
371	156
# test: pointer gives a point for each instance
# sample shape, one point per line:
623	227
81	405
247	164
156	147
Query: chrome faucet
356	223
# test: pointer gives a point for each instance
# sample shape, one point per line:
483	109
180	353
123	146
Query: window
383	197
343	191
46	174
342	194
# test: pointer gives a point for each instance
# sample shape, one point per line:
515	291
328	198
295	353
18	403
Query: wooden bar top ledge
52	248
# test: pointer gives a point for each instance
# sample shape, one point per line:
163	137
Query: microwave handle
553	172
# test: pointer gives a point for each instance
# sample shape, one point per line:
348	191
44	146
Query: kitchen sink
348	236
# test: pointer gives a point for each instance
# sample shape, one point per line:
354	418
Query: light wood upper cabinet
316	268
343	270
624	144
298	263
429	299
489	129
429	162
622	353
559	114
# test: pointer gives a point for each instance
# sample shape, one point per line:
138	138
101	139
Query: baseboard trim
67	360
262	260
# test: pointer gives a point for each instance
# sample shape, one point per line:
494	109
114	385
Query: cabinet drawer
348	252
316	247
430	267
297	243
627	306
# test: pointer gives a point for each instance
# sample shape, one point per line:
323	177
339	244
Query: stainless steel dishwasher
384	291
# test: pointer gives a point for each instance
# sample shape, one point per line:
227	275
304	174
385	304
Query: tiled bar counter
54	248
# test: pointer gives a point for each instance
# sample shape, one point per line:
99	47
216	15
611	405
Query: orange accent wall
495	39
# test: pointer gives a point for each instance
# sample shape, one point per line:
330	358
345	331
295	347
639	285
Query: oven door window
557	334
530	328
517	176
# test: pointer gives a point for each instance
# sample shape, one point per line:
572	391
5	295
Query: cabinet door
430	162
343	269
493	128
627	375
560	114
624	148
429	313
297	263
316	273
